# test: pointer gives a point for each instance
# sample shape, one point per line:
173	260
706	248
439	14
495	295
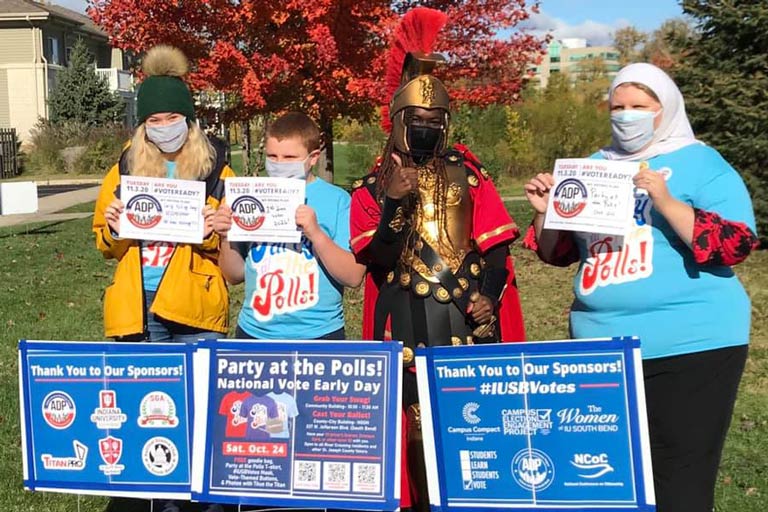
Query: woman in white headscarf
668	281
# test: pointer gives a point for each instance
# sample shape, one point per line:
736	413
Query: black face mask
423	141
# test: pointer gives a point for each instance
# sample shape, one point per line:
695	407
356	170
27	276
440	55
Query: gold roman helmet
419	89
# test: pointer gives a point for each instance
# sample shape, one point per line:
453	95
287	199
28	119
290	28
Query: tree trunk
325	164
246	129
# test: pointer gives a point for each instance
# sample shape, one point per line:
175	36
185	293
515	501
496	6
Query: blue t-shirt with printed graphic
288	292
156	255
649	285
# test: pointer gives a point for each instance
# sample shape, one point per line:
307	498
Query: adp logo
58	410
532	469
248	213
591	466
570	198
144	211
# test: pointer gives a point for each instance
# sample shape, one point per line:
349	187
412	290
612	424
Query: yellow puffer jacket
192	290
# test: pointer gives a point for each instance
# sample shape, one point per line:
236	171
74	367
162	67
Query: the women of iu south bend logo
157	410
248	213
532	469
144	211
570	198
58	410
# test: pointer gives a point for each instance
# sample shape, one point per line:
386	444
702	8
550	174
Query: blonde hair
195	160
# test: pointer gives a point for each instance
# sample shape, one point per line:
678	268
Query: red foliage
325	57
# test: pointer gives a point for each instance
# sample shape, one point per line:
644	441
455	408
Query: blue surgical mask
286	169
169	138
632	129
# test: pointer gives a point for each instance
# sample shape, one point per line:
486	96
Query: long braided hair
412	202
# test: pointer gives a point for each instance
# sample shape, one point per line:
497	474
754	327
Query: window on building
68	55
554	59
52	49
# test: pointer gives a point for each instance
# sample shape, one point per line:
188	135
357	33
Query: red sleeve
364	217
717	241
566	251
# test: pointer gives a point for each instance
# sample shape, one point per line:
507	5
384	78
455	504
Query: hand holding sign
537	191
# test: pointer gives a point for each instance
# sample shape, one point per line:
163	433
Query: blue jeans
162	330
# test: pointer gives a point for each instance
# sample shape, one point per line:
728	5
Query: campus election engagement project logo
248	213
144	211
570	198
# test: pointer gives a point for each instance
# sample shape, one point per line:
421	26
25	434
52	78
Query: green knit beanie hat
164	89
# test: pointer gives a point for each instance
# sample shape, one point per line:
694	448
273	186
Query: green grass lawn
52	284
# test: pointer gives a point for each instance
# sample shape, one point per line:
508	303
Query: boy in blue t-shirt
294	291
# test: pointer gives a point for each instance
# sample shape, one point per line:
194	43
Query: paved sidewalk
48	206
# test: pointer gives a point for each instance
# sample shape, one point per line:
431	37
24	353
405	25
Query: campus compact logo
532	469
570	198
469	413
157	410
591	466
111	449
58	410
108	415
160	456
248	213
144	211
75	463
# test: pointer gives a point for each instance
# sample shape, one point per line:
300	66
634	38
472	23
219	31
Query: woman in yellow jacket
164	291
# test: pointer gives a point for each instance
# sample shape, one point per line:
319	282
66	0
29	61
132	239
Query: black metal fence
9	157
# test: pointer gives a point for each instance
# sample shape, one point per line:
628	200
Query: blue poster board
109	419
536	426
299	424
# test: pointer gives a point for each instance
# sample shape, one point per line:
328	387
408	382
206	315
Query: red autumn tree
325	57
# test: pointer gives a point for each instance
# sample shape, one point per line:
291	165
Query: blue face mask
169	138
632	129
286	169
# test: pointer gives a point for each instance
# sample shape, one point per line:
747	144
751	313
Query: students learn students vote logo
248	213
570	198
144	211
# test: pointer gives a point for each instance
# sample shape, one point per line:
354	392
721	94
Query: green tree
724	79
666	45
80	95
628	41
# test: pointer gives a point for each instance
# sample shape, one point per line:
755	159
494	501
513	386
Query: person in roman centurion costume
432	231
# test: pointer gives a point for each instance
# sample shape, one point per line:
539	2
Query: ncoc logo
144	211
570	198
532	469
248	213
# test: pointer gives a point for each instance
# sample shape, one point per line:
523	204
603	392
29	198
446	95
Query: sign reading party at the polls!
106	418
536	426
299	424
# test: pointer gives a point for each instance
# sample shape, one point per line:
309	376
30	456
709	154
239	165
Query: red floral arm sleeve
717	241
566	252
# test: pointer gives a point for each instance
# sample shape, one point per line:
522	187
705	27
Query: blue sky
594	20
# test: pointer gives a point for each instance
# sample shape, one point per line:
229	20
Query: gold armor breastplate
446	225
